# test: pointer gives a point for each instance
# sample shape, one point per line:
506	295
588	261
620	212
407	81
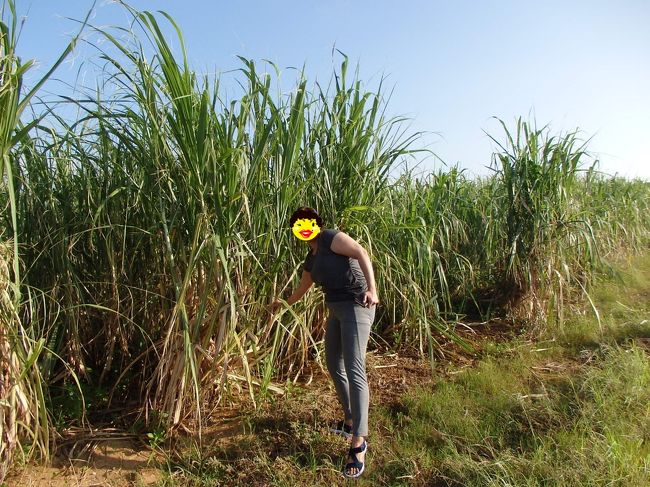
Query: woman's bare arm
303	287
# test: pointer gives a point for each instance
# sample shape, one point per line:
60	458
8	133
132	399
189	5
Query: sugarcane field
318	243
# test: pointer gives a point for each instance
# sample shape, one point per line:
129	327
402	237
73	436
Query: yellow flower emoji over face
305	228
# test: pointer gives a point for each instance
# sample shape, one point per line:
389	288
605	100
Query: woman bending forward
341	266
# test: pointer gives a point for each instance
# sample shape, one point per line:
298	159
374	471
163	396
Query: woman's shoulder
329	232
326	237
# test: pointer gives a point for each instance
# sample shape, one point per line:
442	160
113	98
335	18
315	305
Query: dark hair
305	212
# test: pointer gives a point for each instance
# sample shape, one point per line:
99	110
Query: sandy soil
104	463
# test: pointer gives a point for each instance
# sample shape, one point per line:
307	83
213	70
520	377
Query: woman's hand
275	305
370	298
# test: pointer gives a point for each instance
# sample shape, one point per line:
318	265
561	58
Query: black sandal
341	428
355	463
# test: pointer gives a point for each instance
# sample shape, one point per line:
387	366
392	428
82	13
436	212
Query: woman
341	266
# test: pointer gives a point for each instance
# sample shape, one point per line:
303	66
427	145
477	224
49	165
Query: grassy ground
570	409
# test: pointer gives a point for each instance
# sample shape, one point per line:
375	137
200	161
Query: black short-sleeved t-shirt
340	277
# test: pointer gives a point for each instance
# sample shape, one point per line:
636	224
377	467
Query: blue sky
453	64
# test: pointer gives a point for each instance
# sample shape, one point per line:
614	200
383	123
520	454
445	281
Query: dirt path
109	463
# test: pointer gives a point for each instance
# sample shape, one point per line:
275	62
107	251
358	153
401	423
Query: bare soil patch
105	463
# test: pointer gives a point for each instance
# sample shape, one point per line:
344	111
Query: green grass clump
503	424
622	309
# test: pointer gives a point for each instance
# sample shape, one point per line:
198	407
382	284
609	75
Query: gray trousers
346	338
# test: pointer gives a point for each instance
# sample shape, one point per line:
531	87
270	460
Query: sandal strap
359	449
355	463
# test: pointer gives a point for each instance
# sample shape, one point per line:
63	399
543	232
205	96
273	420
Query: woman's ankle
357	441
